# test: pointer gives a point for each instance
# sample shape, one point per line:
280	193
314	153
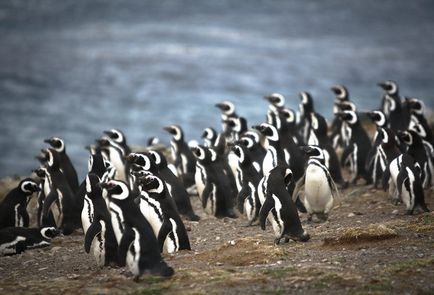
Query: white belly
199	175
318	196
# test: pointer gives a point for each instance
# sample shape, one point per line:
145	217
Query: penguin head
306	103
347	106
210	135
416	106
348	116
341	92
246	141
41	172
268	130
276	99
237	124
240	151
152	184
226	107
378	118
49	232
116	135
153	141
406	137
389	137
253	136
176	131
116	190
158	158
204	154
56	143
389	86
93	188
53	159
28	186
288	115
313	152
140	159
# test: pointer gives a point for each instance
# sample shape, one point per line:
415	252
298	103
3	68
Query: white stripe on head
28	183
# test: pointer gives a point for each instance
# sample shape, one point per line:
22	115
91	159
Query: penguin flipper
165	229
385	179
49	200
402	176
242	195
205	195
346	153
93	230
124	245
265	209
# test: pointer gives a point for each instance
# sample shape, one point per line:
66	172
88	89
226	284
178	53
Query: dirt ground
368	246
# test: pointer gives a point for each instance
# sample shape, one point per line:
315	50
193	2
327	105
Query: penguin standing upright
13	208
183	158
213	186
227	110
306	107
319	187
170	230
279	207
138	247
398	114
342	95
209	136
252	141
65	163
276	104
116	155
357	149
15	240
248	199
99	237
44	187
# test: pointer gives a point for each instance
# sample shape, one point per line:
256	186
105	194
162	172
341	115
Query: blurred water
75	68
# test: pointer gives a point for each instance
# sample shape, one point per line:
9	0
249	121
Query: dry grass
354	235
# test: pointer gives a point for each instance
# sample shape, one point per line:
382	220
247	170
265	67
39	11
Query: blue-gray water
75	68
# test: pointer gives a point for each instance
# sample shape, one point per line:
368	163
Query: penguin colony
130	204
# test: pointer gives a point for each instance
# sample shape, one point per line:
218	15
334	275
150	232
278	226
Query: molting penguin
138	247
44	185
166	223
15	240
284	216
13	208
99	237
319	187
65	163
213	186
183	158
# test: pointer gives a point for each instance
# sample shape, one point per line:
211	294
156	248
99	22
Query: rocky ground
368	246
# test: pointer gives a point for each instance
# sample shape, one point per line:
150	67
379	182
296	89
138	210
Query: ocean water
75	68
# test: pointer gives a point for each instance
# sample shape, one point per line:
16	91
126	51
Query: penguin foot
277	241
286	240
409	212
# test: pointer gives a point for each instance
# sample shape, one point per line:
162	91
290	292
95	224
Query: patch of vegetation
354	235
411	265
278	273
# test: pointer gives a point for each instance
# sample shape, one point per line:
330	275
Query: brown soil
368	246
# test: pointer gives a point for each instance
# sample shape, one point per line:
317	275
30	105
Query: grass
353	235
409	266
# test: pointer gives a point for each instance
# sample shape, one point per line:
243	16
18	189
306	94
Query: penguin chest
200	178
275	217
133	254
270	160
151	210
87	214
211	204
171	243
318	195
262	190
117	219
250	203
98	245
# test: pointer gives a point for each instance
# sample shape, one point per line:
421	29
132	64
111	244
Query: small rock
218	263
351	214
420	255
217	238
232	243
395	212
324	260
55	249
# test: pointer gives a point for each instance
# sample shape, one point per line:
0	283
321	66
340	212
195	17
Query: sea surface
75	68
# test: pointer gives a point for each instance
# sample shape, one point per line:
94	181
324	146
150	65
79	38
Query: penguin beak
48	140
131	158
257	127
220	106
169	129
382	85
306	149
108	132
335	90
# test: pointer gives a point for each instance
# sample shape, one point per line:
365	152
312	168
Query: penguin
13	208
416	149
252	140
167	225
247	199
99	237
182	155
341	95
116	155
213	186
119	138
276	104
227	110
237	126
318	136
152	141
345	132
60	193
138	248
209	136
319	188
306	107
375	163
44	190
275	155
15	240
277	201
289	125
398	114
174	186
65	163
355	154
409	185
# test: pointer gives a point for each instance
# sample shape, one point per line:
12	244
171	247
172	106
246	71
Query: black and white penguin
397	113
209	136
252	140
319	188
213	185
44	185
306	107
276	104
356	153
174	186
13	208
289	125
65	208
319	137
118	137
416	149
237	127
341	95
227	110
99	237
277	201
164	219
409	185
247	199
115	154
138	247
182	155
15	240
65	163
